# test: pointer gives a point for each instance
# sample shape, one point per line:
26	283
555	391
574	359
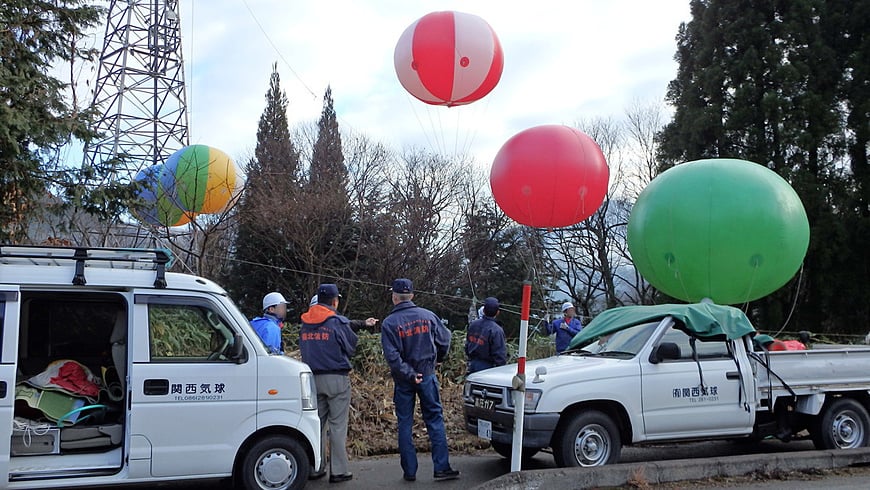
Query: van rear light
309	392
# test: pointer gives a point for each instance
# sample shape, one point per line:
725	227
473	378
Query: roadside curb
654	472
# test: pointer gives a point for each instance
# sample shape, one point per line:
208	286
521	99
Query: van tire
842	424
590	438
506	450
275	462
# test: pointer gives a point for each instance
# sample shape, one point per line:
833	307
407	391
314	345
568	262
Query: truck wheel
274	463
505	450
844	424
589	439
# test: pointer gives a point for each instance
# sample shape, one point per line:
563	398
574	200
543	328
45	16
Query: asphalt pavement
656	466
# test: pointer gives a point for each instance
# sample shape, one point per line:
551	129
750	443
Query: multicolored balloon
449	58
206	179
158	207
725	229
549	177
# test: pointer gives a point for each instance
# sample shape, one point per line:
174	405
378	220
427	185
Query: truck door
684	398
189	402
9	308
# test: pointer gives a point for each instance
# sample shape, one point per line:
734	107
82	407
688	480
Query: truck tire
275	462
843	424
505	450
591	438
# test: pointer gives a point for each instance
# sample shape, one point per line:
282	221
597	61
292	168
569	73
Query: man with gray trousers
327	343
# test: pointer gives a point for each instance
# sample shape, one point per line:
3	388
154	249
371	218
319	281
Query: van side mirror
236	352
665	350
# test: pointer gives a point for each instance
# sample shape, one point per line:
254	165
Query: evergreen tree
328	170
260	248
36	120
775	83
330	232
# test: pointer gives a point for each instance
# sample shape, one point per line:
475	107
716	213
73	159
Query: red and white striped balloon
449	58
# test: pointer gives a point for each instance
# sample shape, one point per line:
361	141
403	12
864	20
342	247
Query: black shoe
314	475
340	478
409	477
448	474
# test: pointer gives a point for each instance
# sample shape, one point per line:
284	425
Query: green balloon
724	229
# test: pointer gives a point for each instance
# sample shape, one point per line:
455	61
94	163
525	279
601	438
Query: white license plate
484	429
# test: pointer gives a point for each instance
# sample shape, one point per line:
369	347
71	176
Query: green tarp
704	319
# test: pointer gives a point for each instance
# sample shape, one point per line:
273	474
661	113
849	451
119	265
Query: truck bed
814	371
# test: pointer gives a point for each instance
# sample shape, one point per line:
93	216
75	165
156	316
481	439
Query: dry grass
373	427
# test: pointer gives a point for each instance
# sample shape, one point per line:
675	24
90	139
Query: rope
30	429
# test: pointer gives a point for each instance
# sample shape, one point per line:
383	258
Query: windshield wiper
580	352
616	353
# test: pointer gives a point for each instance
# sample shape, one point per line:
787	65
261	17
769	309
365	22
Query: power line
278	51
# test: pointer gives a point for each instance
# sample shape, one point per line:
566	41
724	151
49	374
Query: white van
115	371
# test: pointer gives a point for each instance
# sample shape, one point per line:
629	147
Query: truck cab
113	370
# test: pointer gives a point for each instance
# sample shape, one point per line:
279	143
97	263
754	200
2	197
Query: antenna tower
140	87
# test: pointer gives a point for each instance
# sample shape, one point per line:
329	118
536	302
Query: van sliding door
9	313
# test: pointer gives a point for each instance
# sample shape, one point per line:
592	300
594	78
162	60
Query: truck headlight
532	399
309	392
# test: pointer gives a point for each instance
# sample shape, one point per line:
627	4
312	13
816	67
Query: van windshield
622	343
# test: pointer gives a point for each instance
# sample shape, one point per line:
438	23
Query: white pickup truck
643	374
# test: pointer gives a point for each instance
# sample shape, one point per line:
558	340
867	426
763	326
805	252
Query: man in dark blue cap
414	341
327	343
485	345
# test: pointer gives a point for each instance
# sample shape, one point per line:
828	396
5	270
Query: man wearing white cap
565	327
268	326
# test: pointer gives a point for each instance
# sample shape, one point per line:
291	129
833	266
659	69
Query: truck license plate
484	403
484	429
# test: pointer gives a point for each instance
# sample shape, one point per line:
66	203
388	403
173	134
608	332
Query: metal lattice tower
140	86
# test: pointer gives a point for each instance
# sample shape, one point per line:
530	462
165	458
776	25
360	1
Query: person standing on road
327	343
414	341
268	326
485	345
565	327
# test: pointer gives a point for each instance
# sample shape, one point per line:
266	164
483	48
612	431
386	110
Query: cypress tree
272	179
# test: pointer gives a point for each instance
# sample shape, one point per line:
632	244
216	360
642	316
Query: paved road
384	472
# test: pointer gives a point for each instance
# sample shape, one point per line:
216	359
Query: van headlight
532	399
309	392
466	391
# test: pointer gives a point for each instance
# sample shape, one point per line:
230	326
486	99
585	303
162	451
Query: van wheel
274	463
589	439
505	450
844	424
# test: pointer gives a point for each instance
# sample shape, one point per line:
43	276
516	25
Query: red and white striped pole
519	381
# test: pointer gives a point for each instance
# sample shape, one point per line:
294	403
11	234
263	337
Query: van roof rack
156	259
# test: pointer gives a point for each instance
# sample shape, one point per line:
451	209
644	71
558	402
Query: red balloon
549	177
449	58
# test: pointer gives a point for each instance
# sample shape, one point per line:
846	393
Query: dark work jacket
485	345
326	341
414	340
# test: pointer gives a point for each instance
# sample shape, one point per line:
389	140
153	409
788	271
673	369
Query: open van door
9	311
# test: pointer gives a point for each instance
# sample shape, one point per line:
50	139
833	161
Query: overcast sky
564	60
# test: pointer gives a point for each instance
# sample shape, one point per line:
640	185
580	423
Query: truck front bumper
538	428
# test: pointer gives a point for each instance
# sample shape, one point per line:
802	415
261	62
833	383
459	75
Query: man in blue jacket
268	326
485	345
327	343
566	327
414	342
